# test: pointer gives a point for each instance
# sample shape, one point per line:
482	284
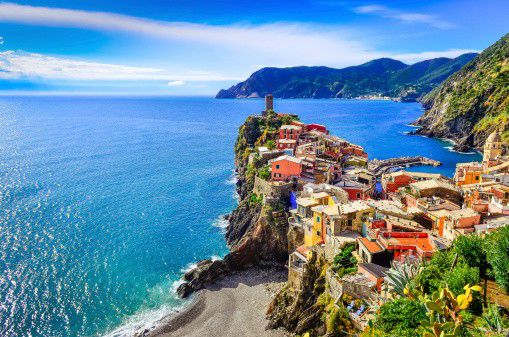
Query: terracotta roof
372	246
422	244
304	250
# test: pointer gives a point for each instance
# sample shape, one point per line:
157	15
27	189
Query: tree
497	252
471	249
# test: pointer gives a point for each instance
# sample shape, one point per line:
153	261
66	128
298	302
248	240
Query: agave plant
399	276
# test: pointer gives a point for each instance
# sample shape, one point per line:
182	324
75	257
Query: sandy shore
234	307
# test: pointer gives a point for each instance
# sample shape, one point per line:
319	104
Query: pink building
285	168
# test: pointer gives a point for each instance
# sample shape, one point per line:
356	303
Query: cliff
471	103
256	234
386	77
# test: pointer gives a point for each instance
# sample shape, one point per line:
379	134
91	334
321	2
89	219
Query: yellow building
309	214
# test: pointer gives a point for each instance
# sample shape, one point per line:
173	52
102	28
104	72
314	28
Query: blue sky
178	47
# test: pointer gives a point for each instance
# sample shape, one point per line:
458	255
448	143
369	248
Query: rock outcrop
256	234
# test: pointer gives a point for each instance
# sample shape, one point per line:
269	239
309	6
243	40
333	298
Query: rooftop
287	157
387	206
433	183
353	207
462	213
372	246
306	202
374	269
291	127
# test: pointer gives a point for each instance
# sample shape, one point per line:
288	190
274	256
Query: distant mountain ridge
385	77
472	102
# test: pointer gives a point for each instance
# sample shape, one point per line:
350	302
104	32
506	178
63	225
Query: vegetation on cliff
472	102
386	77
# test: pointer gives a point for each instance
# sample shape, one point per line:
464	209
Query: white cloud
1	40
289	43
16	64
176	83
406	17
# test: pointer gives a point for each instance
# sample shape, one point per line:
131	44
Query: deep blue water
104	201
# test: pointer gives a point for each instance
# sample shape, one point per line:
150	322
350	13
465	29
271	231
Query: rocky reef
256	234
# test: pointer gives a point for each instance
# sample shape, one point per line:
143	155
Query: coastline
234	306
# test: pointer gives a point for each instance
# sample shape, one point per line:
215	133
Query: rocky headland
257	232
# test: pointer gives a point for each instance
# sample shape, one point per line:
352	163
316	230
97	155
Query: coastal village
364	221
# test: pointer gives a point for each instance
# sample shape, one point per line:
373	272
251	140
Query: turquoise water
105	201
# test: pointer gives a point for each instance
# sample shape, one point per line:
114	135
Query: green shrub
460	276
401	317
344	262
497	252
270	144
264	172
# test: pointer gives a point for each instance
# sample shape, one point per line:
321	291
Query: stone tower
269	102
492	147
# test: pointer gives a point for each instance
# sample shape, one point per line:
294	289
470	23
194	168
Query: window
476	177
317	219
318	233
277	167
358	195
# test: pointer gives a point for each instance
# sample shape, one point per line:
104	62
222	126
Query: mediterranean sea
105	201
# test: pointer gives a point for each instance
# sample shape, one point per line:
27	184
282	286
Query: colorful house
407	244
290	132
285	168
356	190
391	182
468	173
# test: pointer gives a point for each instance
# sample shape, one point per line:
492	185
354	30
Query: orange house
468	173
285	168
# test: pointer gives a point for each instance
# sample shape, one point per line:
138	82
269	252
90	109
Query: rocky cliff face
255	236
300	310
471	103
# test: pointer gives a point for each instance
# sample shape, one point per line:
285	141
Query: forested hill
385	77
474	101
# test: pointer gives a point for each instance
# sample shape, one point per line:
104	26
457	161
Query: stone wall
272	191
335	286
